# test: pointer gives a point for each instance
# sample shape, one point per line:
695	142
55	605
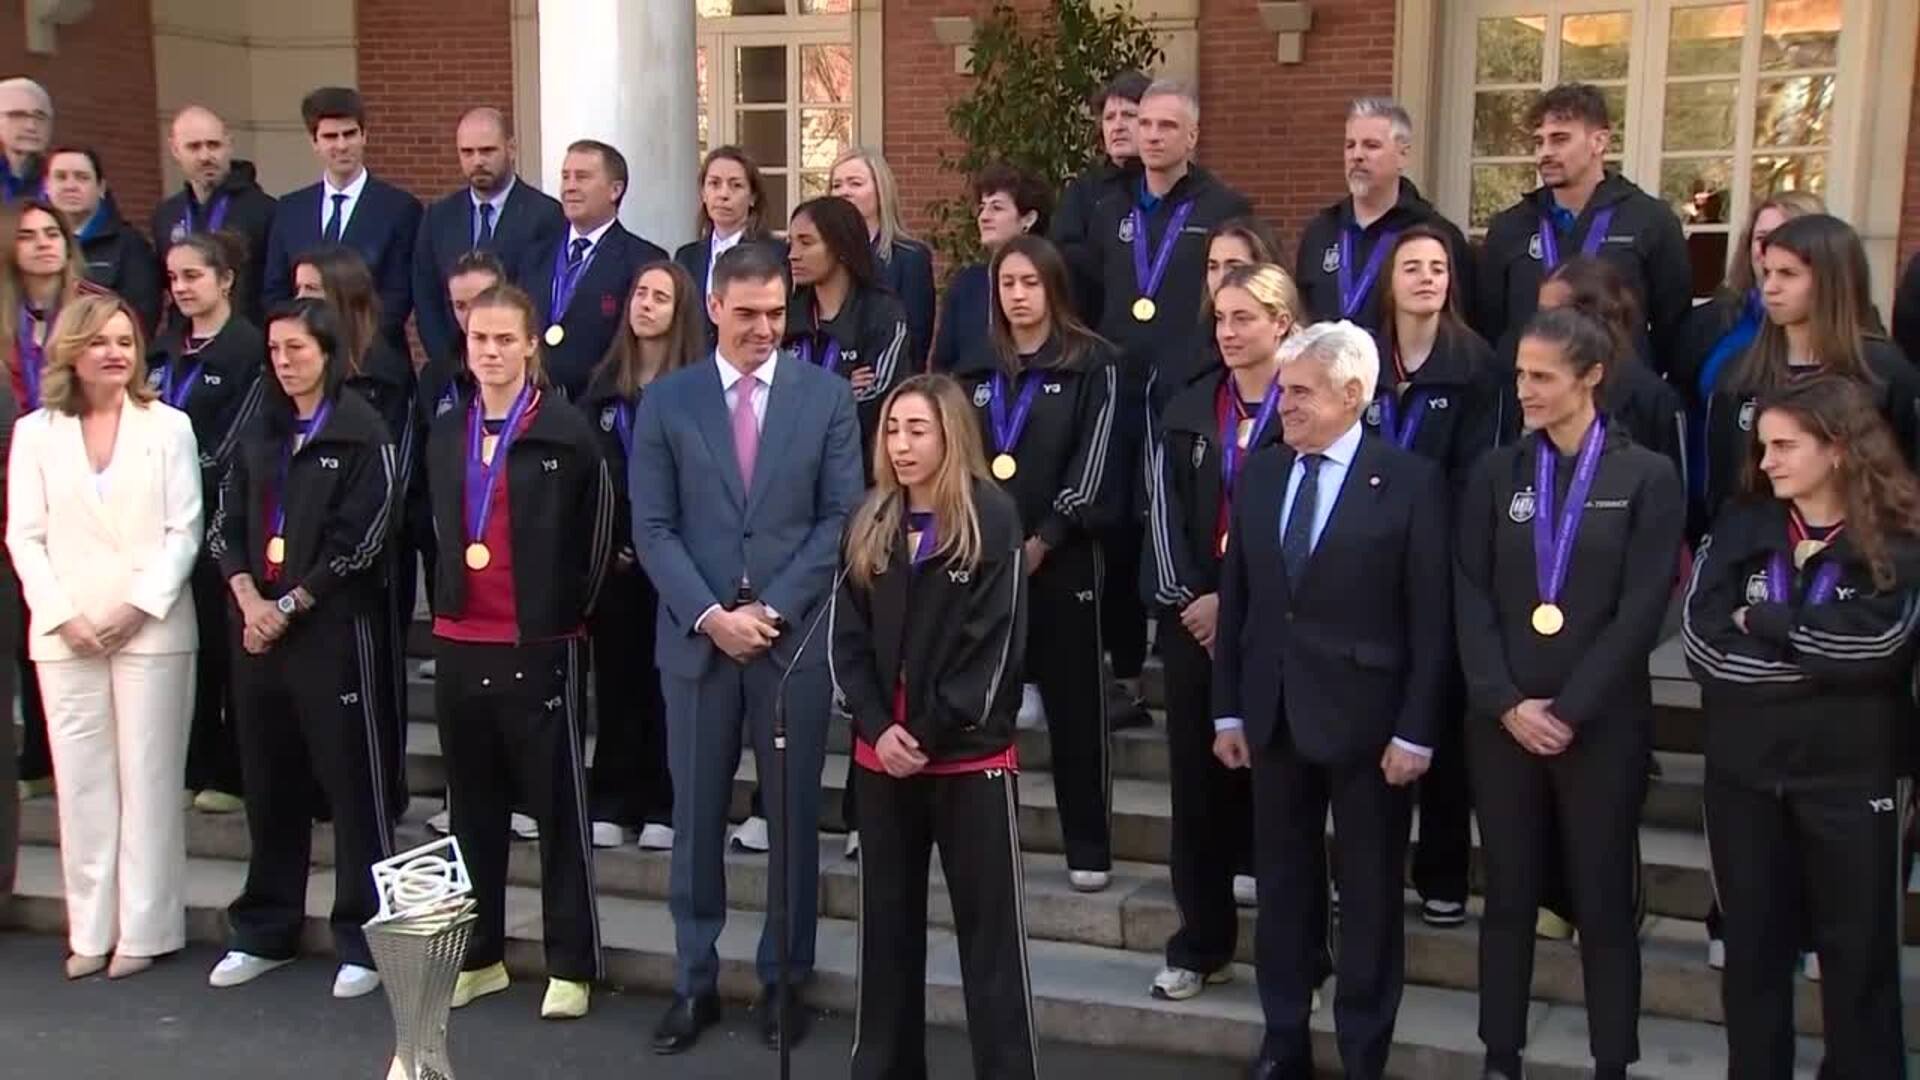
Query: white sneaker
238	968
353	981
427	669
441	822
524	827
853	844
1179	984
1810	966
656	838
1089	880
751	835
1032	715
1245	893
1716	954
606	834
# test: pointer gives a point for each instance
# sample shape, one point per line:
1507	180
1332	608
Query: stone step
1082	993
1136	913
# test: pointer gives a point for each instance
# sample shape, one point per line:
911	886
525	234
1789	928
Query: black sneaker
1125	711
1443	912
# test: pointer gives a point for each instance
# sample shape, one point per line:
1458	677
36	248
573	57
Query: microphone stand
777	881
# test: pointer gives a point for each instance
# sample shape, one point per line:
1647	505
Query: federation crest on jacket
1520	507
606	418
1330	259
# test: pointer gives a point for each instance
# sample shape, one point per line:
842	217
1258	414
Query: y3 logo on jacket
330	463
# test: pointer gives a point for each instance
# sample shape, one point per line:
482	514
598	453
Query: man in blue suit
348	206
744	470
580	280
497	211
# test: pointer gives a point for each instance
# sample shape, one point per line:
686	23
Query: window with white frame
776	78
1716	103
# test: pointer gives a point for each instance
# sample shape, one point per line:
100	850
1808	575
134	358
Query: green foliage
1028	106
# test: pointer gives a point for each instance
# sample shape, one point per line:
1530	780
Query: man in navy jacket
348	206
496	211
579	281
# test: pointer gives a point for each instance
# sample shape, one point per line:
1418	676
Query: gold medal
478	556
487	445
556	334
1549	620
1243	432
277	550
1004	467
1805	550
1144	309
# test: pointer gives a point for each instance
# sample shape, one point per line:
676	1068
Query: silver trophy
418	941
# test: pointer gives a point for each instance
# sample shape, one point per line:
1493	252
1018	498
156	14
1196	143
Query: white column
622	71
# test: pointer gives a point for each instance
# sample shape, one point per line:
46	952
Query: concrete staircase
1093	956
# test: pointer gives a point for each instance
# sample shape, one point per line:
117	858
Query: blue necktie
577	251
484	235
331	234
1296	541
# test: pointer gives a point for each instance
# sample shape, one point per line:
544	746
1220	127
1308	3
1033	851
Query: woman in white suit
103	522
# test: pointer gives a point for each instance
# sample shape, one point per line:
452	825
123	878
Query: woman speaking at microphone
1045	396
299	534
1564	568
523	510
927	635
1800	625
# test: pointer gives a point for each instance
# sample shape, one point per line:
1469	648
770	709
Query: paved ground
167	1025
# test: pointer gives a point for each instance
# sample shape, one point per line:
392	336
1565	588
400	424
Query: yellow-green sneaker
1551	926
478	984
565	1000
218	802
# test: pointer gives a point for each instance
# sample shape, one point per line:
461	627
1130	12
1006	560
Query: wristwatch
287	605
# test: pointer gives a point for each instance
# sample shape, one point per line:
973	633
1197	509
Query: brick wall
1272	131
422	64
101	79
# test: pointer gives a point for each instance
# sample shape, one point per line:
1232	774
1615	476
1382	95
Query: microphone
777	883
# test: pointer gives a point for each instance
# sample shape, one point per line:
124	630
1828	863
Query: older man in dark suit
1333	646
744	470
496	211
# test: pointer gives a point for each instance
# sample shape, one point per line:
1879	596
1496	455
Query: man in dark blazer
580	279
1333	645
496	211
348	206
744	469
219	193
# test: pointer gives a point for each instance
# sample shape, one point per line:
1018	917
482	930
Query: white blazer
79	551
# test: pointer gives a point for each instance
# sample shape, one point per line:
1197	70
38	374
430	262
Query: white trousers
118	729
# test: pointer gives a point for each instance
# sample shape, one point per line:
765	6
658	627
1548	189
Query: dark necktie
484	236
331	234
1296	541
577	251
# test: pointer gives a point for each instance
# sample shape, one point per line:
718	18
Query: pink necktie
746	430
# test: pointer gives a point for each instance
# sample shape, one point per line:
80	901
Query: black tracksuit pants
1064	656
36	753
213	750
974	819
1441	857
307	712
629	784
1123	621
510	726
1836	850
402	586
1581	809
1212	811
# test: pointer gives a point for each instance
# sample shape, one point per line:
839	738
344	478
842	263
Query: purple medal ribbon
483	474
829	356
1147	277
1007	429
1352	293
622	423
1779	580
216	215
1596	235
311	429
566	282
1391	422
1231	456
923	523
33	355
1553	541
175	391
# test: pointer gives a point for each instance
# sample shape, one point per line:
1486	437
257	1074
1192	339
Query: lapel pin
1373	481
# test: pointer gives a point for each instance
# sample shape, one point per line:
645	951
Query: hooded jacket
871	331
1317	263
243	209
120	259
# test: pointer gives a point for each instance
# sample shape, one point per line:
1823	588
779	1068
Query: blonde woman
902	263
927	632
103	523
